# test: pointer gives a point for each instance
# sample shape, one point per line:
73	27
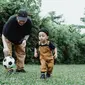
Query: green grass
62	75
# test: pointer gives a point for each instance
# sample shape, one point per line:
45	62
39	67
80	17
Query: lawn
62	75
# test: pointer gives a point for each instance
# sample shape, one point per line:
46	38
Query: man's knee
6	52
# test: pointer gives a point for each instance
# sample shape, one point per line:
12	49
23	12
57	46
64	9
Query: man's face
21	22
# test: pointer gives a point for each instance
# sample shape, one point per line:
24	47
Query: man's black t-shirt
14	32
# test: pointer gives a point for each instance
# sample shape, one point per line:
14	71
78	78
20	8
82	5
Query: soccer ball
8	62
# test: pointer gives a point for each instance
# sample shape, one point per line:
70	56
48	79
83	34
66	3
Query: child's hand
36	55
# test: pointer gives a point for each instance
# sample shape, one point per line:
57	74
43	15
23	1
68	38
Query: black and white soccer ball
8	62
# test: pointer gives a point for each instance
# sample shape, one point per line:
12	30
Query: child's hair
45	31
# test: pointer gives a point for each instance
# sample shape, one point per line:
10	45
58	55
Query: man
16	31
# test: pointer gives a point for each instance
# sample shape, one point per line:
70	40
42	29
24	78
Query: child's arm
55	53
54	50
35	53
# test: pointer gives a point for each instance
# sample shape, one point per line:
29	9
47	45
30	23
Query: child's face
42	36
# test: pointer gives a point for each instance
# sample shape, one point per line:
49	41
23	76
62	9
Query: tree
83	18
58	19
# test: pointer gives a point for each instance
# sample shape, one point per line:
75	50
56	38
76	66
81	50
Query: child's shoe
42	76
48	75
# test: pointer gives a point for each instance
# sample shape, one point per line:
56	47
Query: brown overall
46	59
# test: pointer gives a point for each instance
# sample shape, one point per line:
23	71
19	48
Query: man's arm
5	49
4	42
26	37
24	40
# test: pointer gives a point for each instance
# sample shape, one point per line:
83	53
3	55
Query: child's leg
43	65
50	65
43	68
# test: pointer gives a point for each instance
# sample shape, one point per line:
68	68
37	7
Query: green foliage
82	40
67	39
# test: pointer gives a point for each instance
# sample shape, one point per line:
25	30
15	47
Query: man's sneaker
48	75
42	76
21	70
10	71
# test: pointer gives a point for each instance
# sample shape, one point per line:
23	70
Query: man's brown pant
47	66
19	51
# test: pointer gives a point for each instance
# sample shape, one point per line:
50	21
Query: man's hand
24	43
26	37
